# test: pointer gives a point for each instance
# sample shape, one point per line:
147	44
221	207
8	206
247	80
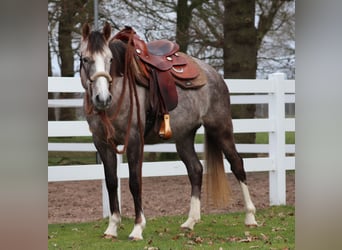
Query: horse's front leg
134	153
108	157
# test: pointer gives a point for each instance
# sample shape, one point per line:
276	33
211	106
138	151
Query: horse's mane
118	49
123	50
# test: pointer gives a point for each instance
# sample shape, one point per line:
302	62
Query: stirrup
165	128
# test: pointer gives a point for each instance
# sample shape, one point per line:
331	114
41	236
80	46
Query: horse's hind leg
186	152
225	137
237	168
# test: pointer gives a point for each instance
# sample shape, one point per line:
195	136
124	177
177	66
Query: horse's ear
107	31
85	31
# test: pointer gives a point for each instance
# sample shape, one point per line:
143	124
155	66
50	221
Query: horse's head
96	60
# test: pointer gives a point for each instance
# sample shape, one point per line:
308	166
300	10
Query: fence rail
276	91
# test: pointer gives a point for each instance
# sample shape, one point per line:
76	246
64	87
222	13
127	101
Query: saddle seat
162	47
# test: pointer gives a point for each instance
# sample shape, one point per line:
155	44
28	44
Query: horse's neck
126	99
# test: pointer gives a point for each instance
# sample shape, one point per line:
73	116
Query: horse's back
198	106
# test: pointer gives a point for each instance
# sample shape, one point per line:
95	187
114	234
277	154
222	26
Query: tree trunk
240	52
183	24
184	10
65	52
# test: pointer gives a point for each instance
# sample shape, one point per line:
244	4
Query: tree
242	40
274	22
184	15
240	52
276	46
64	19
159	16
155	19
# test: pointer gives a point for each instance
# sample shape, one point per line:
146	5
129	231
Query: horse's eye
85	60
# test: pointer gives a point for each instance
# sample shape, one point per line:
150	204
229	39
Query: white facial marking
101	82
101	95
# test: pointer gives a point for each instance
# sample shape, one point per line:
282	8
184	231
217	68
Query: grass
276	230
262	138
71	139
71	158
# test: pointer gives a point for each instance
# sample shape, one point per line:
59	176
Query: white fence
276	91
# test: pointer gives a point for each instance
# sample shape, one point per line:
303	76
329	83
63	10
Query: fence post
119	166
105	199
277	177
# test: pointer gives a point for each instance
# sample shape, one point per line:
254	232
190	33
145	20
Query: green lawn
276	230
262	138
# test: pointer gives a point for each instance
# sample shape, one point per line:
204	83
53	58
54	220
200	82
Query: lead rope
104	116
128	77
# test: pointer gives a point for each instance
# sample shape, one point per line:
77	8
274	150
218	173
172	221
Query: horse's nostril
103	101
97	98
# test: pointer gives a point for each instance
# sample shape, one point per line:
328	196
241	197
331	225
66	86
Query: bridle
92	78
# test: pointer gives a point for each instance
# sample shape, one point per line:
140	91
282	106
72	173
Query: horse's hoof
185	228
108	236
251	225
134	238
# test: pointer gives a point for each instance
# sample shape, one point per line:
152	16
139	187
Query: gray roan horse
116	107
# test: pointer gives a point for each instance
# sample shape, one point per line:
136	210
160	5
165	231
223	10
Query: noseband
101	73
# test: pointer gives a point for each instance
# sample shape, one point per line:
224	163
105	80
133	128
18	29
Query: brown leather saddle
166	67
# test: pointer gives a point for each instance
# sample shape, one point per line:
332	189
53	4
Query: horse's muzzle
102	103
102	99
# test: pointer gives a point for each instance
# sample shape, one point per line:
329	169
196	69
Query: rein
129	78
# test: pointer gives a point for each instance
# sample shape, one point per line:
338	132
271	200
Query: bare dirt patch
80	201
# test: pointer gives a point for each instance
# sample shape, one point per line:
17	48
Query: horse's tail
218	189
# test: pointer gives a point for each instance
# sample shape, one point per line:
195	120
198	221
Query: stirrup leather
165	128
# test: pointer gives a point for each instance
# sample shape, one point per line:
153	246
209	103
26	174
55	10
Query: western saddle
166	67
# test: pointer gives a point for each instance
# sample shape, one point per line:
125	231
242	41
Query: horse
116	107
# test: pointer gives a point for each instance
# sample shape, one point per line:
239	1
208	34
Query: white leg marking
194	214
249	206
114	221
136	234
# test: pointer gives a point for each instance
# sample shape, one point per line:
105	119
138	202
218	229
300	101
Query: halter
92	78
